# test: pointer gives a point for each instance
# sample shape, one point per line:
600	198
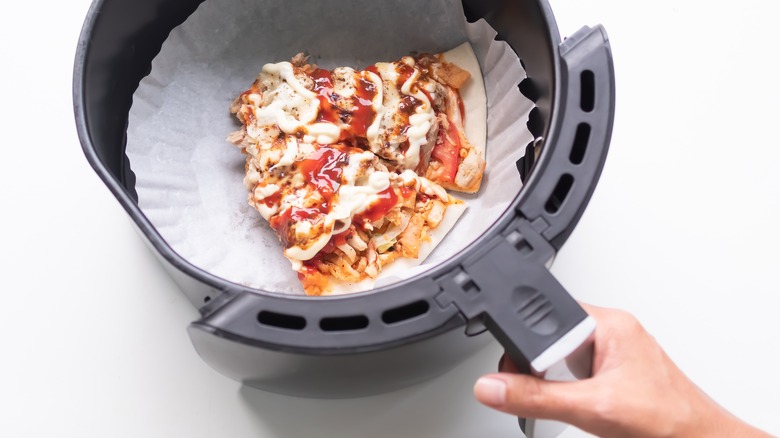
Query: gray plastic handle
508	287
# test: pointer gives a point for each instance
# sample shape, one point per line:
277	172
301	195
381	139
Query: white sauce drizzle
377	104
352	199
298	253
420	122
324	133
292	106
289	154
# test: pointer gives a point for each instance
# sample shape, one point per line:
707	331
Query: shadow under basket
405	333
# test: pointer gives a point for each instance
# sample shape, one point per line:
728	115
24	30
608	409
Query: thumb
530	397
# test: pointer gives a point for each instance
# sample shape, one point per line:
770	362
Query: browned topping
359	249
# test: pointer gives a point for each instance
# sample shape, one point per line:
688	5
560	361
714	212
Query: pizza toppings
350	167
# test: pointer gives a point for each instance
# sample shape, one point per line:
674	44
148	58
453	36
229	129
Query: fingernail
490	391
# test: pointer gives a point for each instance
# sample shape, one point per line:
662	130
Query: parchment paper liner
189	179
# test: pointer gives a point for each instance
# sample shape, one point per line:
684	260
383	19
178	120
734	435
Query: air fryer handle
567	173
545	328
507	285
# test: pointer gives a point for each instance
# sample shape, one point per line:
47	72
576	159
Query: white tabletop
682	231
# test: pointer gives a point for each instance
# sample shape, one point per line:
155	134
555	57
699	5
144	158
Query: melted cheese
287	103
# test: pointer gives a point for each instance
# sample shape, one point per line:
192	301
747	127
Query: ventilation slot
587	91
344	323
558	196
280	320
581	139
406	312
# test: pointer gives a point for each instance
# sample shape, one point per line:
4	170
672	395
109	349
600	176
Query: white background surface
682	231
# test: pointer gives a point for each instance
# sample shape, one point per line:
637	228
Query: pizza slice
350	167
456	162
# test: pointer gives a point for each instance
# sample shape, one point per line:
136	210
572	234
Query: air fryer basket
378	341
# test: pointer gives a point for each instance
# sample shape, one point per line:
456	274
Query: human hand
636	390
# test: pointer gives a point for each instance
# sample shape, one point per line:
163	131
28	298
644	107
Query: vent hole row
579	146
343	323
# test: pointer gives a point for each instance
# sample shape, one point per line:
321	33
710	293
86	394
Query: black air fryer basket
398	335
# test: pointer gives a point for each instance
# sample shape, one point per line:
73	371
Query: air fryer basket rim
144	225
529	203
126	197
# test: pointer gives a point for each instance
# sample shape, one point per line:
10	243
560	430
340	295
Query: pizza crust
473	95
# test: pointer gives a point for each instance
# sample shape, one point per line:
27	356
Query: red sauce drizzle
373	69
358	117
281	222
409	103
323	86
404	73
386	200
362	109
336	240
341	238
447	151
310	266
428	95
273	199
323	170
